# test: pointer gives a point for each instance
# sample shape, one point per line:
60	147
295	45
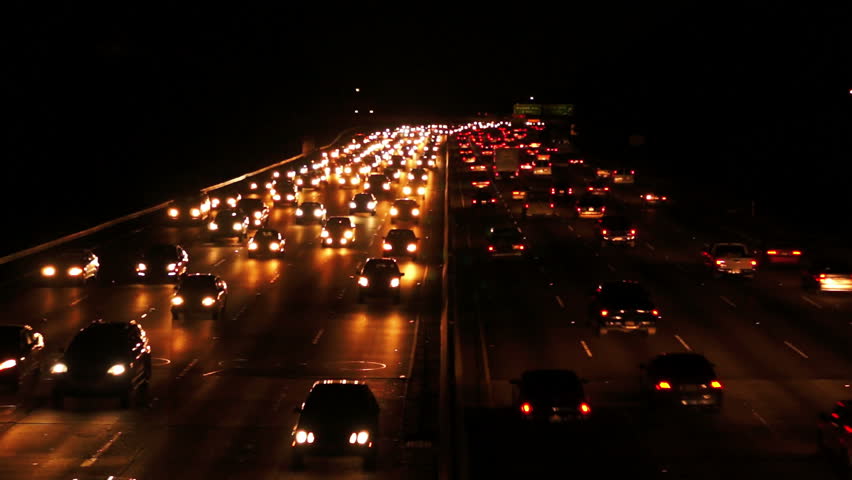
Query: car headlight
58	368
48	271
318	212
177	300
171	266
299	181
406	190
8	364
362	437
411	247
116	370
213	226
173	212
74	271
291	174
324	233
238	226
394	282
371	205
348	234
299	212
291	197
304	437
208	301
341	180
415	211
258	214
386	186
424	178
274	246
195	212
421	190
269	185
252	246
232	202
393	211
363	281
276	197
387	246
355	181
352	205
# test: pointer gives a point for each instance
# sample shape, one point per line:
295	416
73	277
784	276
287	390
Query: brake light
585	409
551	205
552	191
603	231
772	252
591	188
664	386
606	189
715	384
796	252
604	313
490	248
655	312
720	262
847	428
754	262
633	231
526	408
822	276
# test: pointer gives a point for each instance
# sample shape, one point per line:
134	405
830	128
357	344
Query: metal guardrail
74	236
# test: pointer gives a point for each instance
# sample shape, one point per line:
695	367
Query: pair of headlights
115	370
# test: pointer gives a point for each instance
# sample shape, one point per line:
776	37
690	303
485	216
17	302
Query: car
104	359
309	181
467	155
598	187
285	193
397	161
623	306
542	165
229	223
483	198
480	179
70	267
729	258
617	230
339	417
681	379
781	253
363	203
21	355
828	275
349	180
419	173
552	396
400	242
226	197
415	187
834	433
395	173
591	206
406	210
377	184
540	202
266	243
162	262
479	166
623	175
505	242
561	189
189	209
379	277
257	210
200	293
338	232
310	212
651	199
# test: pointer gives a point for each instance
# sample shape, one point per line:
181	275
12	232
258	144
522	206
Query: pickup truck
729	259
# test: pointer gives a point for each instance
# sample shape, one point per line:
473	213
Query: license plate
618	239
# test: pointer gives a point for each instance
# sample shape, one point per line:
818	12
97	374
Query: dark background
110	109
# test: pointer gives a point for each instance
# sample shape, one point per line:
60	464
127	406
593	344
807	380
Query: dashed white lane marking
214	372
728	301
75	302
275	278
682	342
560	302
761	419
187	369
571	227
611	268
807	299
650	247
795	349
94	458
220	262
317	336
586	348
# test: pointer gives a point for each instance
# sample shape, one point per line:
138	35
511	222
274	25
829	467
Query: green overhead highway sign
552	110
527	109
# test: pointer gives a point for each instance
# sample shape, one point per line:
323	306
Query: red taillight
526	408
754	262
551	205
490	248
553	191
720	262
606	189
847	428
772	252
716	384
796	252
604	231
493	200
604	313
633	232
821	276
526	205
591	188
632	172
585	409
664	386
655	312
520	247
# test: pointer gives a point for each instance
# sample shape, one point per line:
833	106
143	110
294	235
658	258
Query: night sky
114	108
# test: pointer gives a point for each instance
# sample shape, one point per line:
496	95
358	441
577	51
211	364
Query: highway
223	393
782	355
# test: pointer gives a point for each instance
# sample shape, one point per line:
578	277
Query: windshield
381	267
227	215
400	235
198	282
730	251
362	198
620	223
624	292
160	251
338	222
250	204
266	234
683	365
338	398
102	341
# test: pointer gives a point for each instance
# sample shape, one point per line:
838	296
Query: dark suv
202	293
339	417
553	396
379	277
623	306
104	359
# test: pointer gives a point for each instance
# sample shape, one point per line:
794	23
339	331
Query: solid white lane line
317	336
728	301
187	369
650	247
807	299
586	348
560	302
793	347
682	342
94	458
220	262
75	302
